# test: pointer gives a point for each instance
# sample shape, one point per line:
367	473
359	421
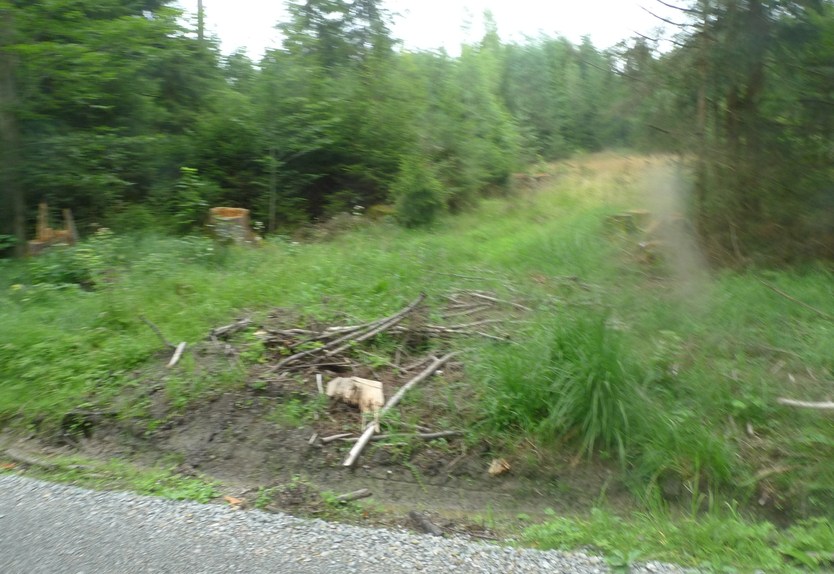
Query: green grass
720	541
676	377
120	475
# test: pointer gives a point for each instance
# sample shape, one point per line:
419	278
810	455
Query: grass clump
717	541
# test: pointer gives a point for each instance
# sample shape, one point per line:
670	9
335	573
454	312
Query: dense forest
123	112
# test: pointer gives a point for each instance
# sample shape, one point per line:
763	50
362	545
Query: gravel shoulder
51	528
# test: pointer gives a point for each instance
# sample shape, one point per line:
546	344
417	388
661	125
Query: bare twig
384	326
424	436
177	354
468	311
496	300
329	439
159	334
351	337
392	402
819	312
230	329
828	406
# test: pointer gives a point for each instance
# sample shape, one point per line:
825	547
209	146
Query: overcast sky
430	24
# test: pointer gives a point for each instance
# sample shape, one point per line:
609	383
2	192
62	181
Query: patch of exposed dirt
257	433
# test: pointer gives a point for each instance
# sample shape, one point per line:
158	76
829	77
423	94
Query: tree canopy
103	104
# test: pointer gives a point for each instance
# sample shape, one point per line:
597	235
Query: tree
10	135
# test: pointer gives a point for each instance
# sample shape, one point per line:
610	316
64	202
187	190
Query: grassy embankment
666	368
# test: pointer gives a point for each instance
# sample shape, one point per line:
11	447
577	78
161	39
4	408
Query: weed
298	413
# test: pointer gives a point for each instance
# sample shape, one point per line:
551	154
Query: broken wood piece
364	393
177	354
806	404
319	385
422	522
392	402
159	334
313	438
498	467
355	495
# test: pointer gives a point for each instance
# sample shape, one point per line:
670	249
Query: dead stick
470	311
355	495
392	402
426	436
331	438
159	334
230	329
806	404
349	337
819	312
496	300
391	322
177	354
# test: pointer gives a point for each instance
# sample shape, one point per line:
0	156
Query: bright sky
431	24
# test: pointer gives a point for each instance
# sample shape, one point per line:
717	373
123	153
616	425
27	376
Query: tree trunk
200	21
10	138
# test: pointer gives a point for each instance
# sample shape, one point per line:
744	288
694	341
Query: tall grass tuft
595	384
576	378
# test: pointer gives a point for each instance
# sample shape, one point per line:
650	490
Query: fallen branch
177	354
392	402
425	436
384	326
468	311
227	330
496	300
352	337
159	334
355	495
827	406
331	438
819	312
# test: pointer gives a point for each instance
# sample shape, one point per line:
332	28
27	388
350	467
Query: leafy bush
418	193
192	198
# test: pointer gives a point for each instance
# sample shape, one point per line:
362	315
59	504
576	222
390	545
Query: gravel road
62	529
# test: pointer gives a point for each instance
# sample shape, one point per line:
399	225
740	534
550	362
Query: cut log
392	402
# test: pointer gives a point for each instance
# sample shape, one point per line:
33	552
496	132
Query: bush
418	193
